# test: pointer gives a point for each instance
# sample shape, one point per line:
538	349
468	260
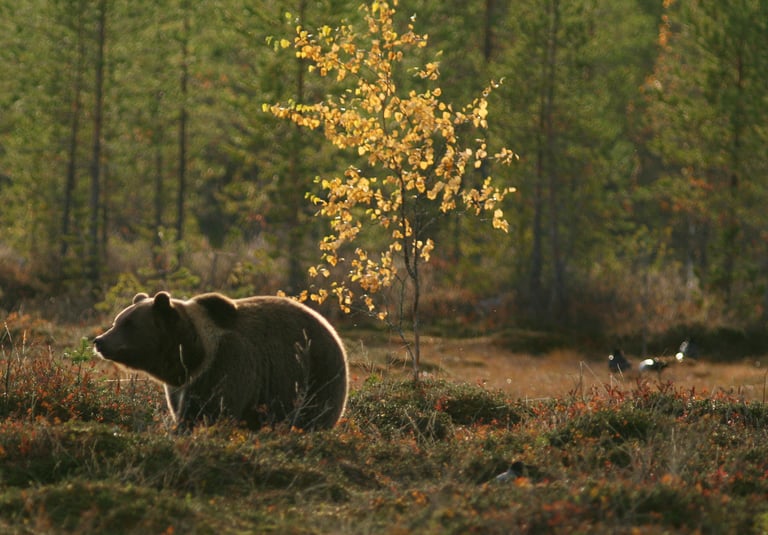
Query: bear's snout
98	343
107	347
103	346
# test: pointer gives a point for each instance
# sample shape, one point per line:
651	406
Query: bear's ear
162	302
163	307
221	309
139	297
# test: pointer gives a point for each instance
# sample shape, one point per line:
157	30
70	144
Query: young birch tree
416	165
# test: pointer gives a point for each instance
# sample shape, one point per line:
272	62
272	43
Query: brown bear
259	360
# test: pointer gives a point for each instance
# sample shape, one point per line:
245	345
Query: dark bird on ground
617	362
653	365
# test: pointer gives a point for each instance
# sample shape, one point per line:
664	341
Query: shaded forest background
135	154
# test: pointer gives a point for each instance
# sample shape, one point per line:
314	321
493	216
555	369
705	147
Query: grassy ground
582	451
556	373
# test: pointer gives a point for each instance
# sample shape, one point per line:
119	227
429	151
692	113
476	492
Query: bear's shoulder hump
220	309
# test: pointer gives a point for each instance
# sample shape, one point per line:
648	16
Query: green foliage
82	353
706	113
639	125
120	295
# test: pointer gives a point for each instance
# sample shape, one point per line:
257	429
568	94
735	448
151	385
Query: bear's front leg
189	408
177	400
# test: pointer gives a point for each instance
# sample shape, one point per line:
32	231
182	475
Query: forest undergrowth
84	452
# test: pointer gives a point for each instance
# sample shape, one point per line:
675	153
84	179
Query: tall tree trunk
537	253
105	205
488	30
558	284
183	119
411	260
94	263
415	311
455	219
74	134
732	227
295	198
765	287
158	255
544	156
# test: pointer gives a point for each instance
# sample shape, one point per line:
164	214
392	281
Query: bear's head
147	336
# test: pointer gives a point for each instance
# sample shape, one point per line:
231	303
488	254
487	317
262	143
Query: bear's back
286	332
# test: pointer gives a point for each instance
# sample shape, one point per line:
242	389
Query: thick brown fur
259	360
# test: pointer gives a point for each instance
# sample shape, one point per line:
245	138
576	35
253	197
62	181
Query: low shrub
36	384
430	409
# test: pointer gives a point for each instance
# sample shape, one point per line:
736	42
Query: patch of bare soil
554	374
